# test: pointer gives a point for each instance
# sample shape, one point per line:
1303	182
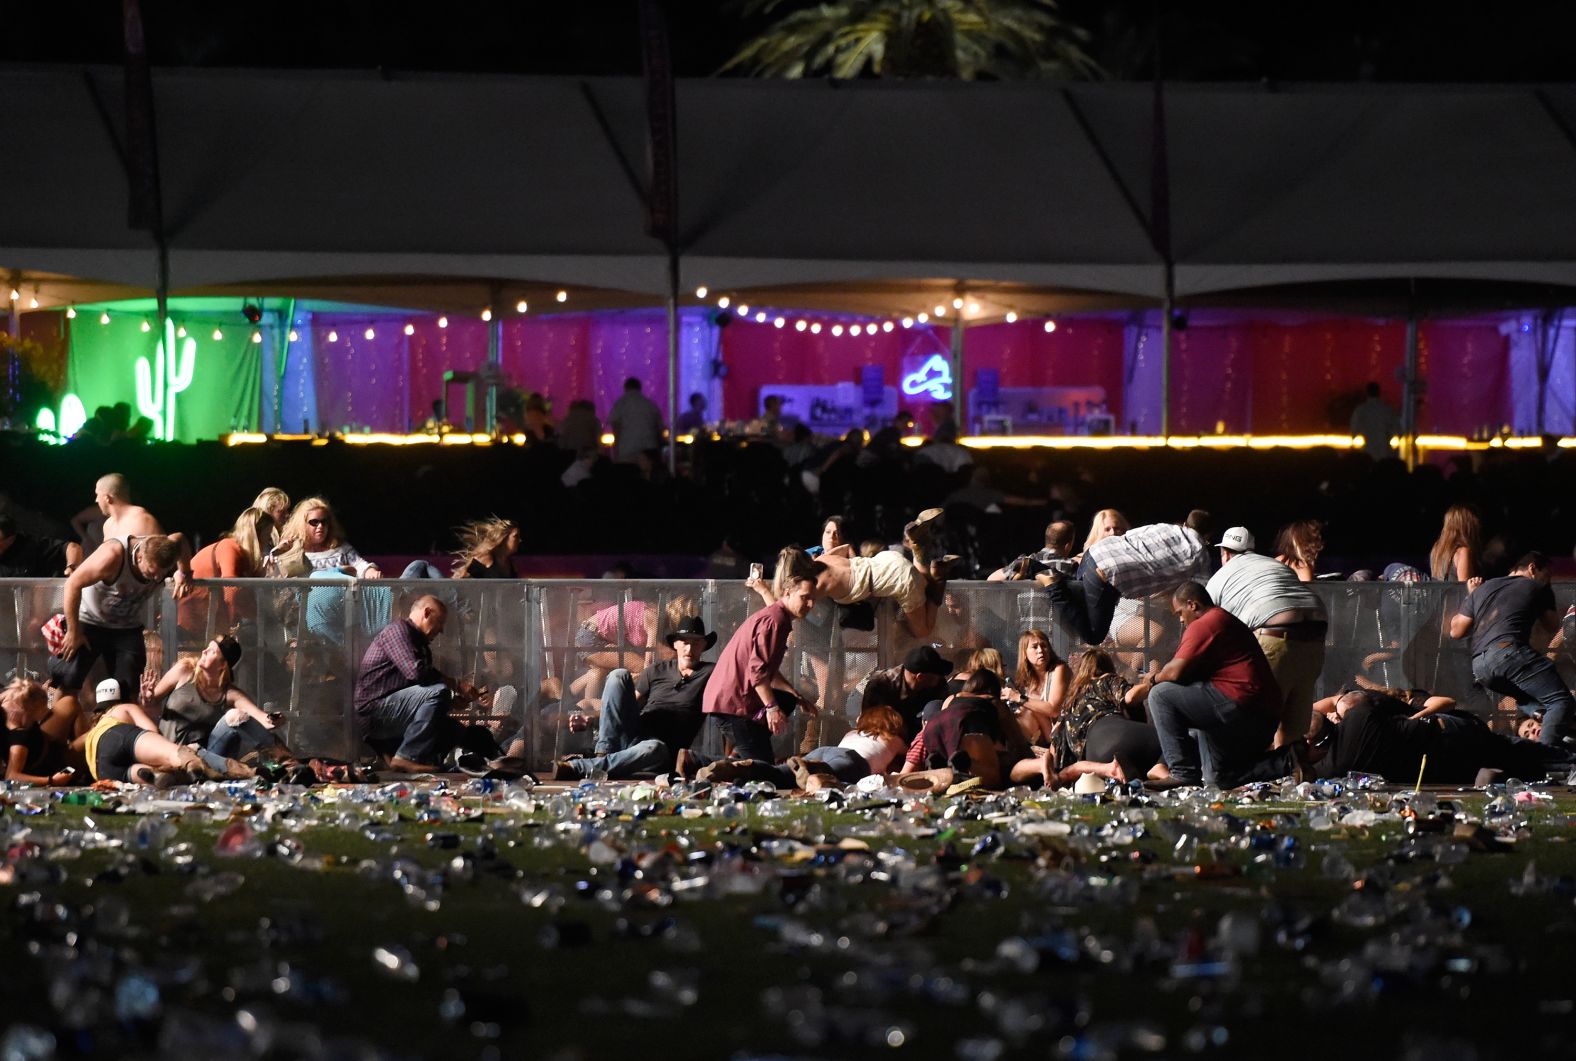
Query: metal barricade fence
552	642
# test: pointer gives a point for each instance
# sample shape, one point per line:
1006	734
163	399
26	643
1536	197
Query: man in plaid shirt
1141	563
401	695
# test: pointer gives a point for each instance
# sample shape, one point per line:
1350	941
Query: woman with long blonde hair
1107	523
485	548
1454	557
1038	685
201	705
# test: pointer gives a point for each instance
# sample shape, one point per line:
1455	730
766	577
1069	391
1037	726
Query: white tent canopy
305	181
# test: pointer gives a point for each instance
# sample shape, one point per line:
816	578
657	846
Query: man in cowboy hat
644	723
909	688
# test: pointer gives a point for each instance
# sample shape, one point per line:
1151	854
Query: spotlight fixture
252	312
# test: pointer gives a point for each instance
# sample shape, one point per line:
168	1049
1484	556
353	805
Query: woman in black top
1096	726
485	548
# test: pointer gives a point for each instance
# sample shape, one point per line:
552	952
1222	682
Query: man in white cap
1286	617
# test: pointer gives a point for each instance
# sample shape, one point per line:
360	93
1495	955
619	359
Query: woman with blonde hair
1454	557
203	707
1038	685
313	540
485	548
1107	523
276	503
241	553
37	734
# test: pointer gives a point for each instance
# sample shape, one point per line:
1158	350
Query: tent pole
1167	307
494	363
957	373
1409	389
673	360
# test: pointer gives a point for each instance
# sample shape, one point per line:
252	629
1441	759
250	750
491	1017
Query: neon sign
73	414
934	379
170	374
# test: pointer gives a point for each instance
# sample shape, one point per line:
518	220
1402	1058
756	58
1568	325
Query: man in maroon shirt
748	699
1220	684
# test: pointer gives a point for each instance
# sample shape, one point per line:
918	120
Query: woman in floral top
1094	733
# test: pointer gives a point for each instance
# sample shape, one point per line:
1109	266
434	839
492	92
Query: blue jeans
411	714
1520	672
1085	607
622	749
236	741
1233	735
421	569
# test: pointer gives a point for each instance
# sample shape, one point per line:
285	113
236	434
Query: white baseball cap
107	692
1237	539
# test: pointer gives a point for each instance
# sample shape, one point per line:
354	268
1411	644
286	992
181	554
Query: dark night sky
1226	40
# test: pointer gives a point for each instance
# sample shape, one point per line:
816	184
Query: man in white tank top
106	601
122	519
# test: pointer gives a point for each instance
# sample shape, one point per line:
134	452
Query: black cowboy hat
691	627
926	660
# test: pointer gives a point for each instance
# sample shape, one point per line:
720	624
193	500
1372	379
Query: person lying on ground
125	745
874	744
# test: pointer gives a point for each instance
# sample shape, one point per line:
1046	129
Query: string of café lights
741	310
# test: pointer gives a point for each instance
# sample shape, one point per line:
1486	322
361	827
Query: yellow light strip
1457	443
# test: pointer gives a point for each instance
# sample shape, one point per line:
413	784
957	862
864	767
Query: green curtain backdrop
225	390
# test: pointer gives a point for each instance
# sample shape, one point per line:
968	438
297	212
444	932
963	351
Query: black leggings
116	752
1133	744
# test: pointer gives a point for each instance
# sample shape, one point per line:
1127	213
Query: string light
443	322
815	329
295	336
104	317
1050	326
410	329
217	335
778	322
333	336
974	308
71	313
180	333
520	306
370	333
908	322
562	296
487	314
15	294
923	317
744	311
257	337
722	303
799	326
146	327
957	303
855	329
701	292
1011	317
32	303
886	326
837	329
941	311
760	318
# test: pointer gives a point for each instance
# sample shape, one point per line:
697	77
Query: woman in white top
313	541
1038	686
875	745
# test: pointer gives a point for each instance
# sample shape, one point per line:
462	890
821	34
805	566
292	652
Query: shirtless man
122	519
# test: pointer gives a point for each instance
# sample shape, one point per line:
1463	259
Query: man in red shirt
748	699
1220	684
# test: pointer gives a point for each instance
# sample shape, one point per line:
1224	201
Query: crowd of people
1236	701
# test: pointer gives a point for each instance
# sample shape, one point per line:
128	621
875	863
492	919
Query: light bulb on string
778	322
294	336
1011	317
908	322
886	326
71	313
923	317
722	303
487	314
815	329
974	309
856	330
32	303
562	296
521	306
146	327
15	294
957	303
941	311
410	329
760	317
744	311
218	335
443	322
837	329
104	317
1050	326
701	292
370	333
257	337
180	333
799	326
333	336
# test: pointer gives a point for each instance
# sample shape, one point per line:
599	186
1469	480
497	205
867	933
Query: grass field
422	921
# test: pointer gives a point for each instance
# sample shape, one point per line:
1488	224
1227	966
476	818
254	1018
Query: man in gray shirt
636	422
1499	615
1286	617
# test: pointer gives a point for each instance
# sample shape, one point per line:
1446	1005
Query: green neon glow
157	385
73	414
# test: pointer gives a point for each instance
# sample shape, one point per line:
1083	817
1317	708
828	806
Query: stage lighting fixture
252	313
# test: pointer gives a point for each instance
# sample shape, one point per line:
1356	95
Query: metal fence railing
553	641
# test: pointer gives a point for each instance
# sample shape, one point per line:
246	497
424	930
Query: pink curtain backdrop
1259	376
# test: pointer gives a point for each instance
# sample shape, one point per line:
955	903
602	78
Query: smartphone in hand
757	571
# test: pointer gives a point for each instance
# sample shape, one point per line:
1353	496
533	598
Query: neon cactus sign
169	375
